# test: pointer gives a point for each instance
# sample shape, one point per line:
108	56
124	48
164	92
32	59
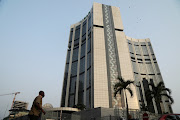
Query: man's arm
39	107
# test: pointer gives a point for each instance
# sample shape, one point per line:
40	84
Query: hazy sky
34	36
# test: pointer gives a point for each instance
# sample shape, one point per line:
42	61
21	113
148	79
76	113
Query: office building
98	52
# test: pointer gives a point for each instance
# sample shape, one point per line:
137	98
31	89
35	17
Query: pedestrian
36	109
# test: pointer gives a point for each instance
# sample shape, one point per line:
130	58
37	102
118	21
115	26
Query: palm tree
157	92
80	106
123	85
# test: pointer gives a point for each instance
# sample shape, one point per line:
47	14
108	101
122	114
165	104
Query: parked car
170	117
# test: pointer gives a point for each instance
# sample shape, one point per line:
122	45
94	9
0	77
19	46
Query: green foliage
157	92
122	85
80	106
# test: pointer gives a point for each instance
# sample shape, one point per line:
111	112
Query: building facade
98	52
20	105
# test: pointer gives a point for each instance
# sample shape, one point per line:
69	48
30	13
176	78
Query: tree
121	86
80	106
157	92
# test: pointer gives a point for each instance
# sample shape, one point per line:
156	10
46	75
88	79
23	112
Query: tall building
98	52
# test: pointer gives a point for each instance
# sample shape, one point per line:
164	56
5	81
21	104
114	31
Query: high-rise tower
98	52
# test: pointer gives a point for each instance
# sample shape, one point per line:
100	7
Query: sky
34	36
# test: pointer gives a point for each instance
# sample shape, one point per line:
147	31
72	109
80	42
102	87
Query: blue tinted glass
83	49
72	85
82	65
74	68
75	54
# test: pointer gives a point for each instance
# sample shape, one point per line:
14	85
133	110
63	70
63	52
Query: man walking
36	109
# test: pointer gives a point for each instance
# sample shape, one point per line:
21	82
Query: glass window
139	56
151	50
144	49
135	69
130	48
72	85
77	32
82	65
69	45
132	55
75	54
146	57
149	44
81	82
89	22
157	68
153	56
139	59
74	68
83	39
88	79
142	68
81	97
136	43
64	87
88	60
84	28
136	77
71	34
68	56
76	42
67	68
83	49
71	100
89	45
149	68
81	88
137	49
88	98
143	43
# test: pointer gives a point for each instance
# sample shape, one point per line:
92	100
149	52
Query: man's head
41	93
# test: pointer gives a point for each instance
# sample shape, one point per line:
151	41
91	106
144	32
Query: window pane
142	68
151	50
89	22
83	49
149	68
137	49
84	28
75	54
145	51
81	82
77	32
74	68
82	65
88	60
72	85
135	69
88	79
68	56
157	68
130	48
